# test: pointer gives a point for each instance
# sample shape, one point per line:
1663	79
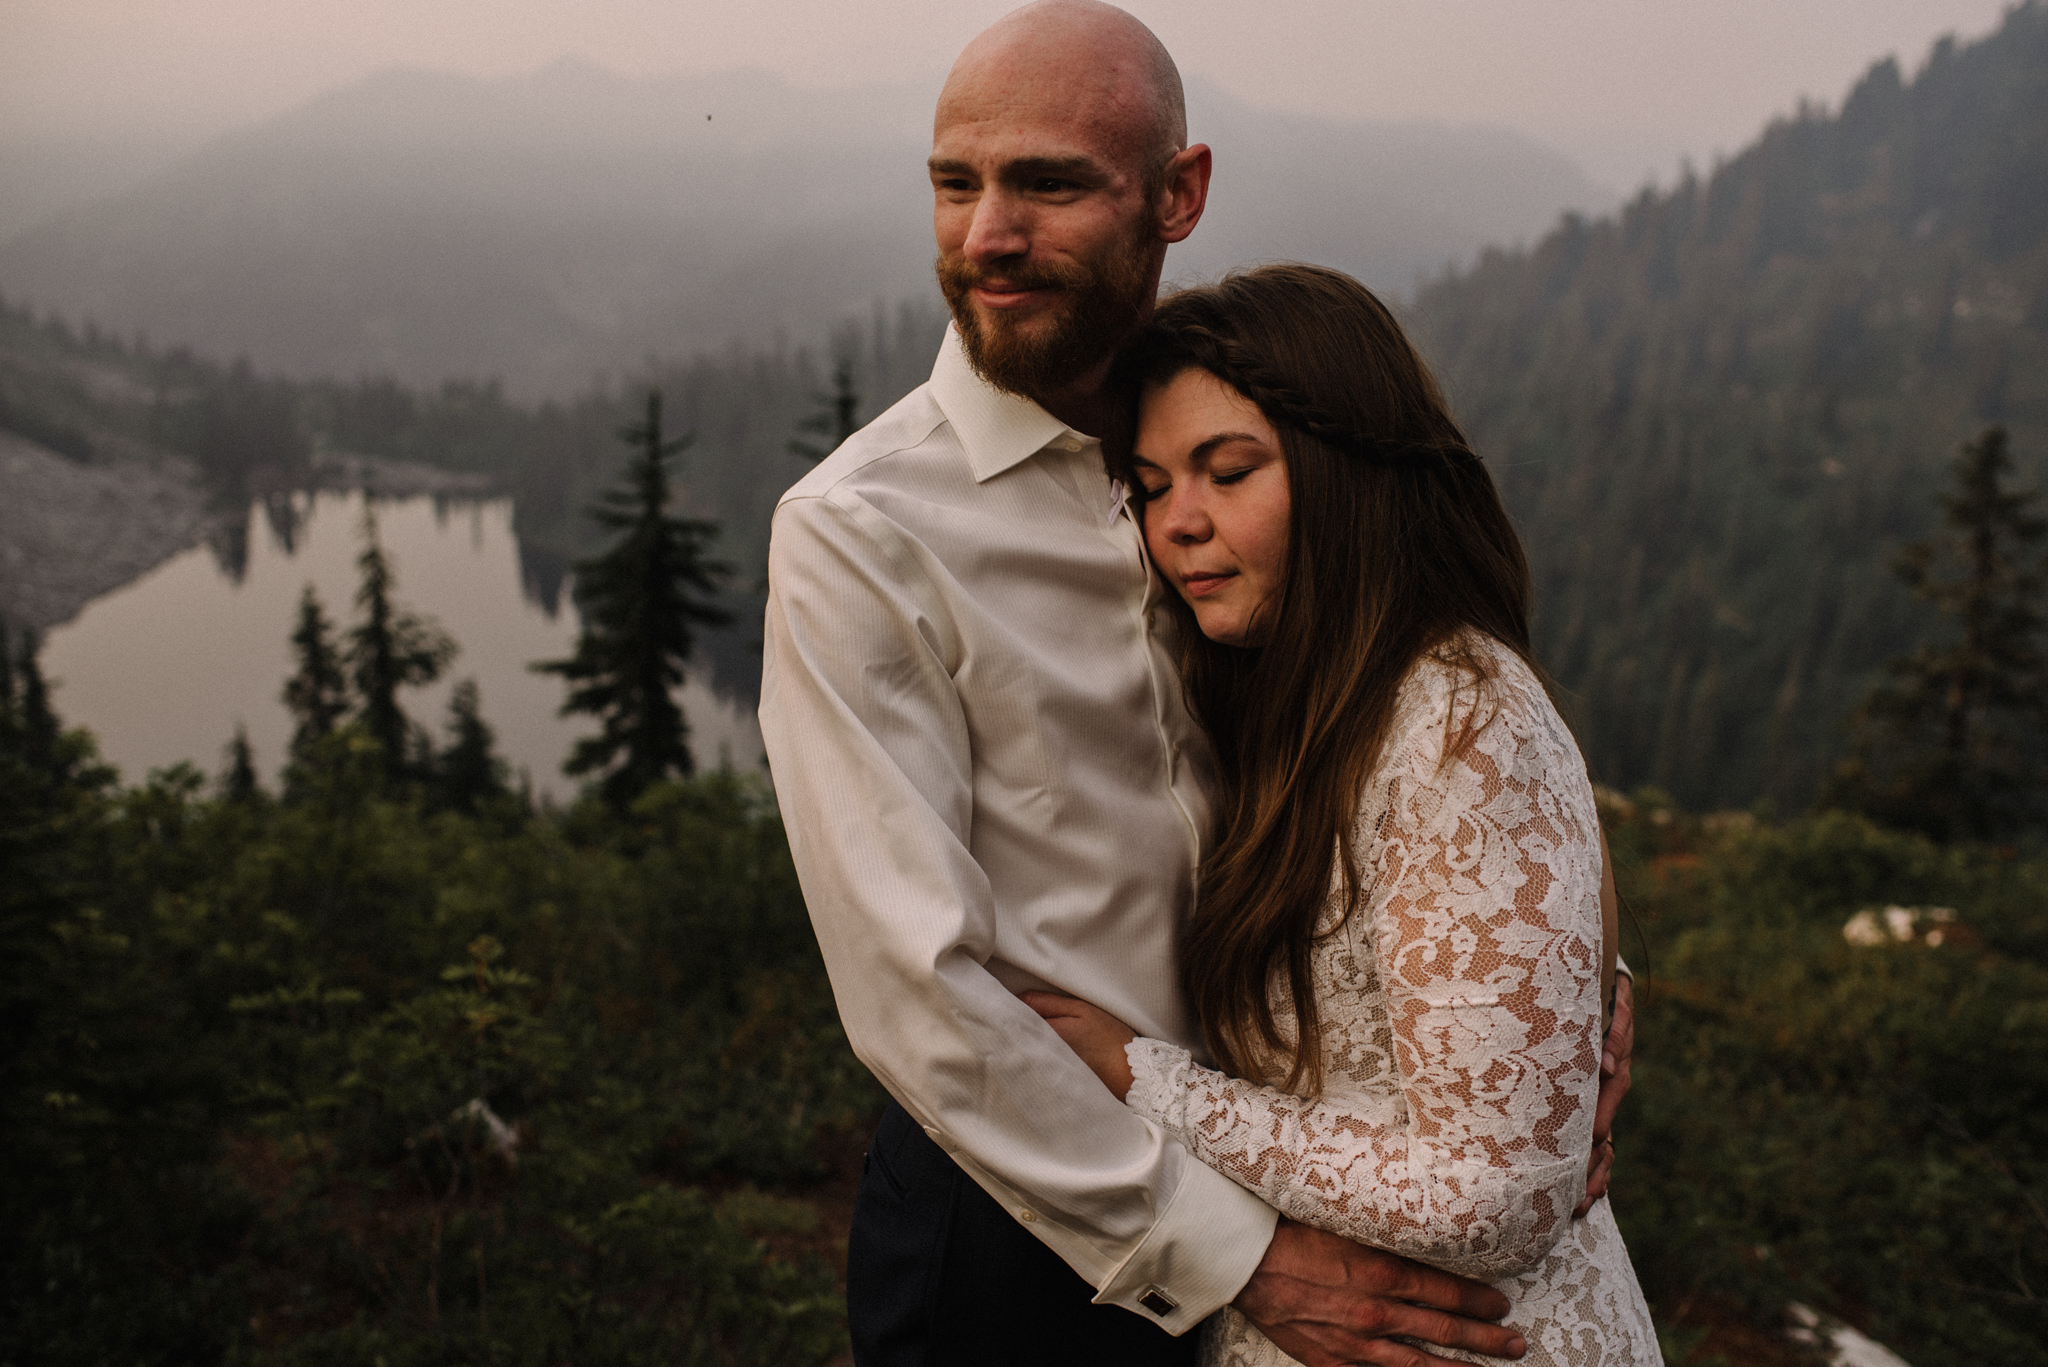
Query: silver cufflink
1158	1302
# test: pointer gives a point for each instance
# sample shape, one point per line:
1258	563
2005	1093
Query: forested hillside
1720	413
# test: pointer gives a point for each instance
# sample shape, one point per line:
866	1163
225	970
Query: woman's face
1216	502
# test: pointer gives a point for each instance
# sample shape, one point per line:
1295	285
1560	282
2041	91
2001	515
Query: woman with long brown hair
1398	952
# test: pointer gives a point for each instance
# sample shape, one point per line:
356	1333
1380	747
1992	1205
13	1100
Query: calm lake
164	668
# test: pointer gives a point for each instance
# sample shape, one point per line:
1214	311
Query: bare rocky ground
70	532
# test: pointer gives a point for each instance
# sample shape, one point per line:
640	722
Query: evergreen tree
1951	743
239	782
40	730
6	671
317	692
389	648
834	417
639	601
469	771
13	748
37	755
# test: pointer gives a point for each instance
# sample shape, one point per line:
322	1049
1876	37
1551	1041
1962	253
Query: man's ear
1186	193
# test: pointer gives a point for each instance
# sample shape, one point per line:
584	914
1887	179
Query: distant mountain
42	176
1719	414
548	227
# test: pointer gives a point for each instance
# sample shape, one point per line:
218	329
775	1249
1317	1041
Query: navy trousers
939	1275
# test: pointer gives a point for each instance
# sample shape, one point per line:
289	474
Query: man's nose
998	229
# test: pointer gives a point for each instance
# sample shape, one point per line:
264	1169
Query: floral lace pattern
1460	1032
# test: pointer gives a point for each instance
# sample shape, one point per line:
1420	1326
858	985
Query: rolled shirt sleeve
873	751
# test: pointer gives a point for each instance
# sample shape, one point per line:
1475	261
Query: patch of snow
1843	1345
1875	926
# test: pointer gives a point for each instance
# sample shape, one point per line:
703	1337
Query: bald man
991	783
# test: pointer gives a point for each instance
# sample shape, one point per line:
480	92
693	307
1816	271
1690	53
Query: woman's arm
1484	920
1610	930
1618	1019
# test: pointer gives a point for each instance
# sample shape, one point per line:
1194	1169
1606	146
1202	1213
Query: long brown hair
1398	547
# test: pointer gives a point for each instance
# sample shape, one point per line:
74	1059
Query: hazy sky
1626	86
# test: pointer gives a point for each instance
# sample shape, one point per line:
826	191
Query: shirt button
1027	1216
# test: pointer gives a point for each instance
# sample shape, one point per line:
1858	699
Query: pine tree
40	729
1951	743
239	782
639	601
835	415
389	648
6	677
468	769
35	749
317	693
13	733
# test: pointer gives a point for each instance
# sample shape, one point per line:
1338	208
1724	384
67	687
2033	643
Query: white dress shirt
991	783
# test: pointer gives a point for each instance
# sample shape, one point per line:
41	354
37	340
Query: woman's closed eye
1147	492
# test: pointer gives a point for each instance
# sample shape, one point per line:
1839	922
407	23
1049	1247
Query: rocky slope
70	532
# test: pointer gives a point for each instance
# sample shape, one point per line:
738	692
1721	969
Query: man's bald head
1075	55
1060	176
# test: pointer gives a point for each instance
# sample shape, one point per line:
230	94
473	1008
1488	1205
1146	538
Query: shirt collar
997	430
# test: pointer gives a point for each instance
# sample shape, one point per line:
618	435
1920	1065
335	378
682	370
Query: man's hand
1091	1032
1614	1080
1328	1301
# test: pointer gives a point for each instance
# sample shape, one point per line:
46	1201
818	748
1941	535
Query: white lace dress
1460	1030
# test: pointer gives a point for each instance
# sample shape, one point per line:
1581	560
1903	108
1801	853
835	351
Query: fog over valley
547	227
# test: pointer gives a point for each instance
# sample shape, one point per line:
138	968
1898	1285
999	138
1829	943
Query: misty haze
340	1044
553	227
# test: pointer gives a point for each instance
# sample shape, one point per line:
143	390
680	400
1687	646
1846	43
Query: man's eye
1053	187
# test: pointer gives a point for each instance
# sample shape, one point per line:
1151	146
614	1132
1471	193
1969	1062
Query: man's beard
1105	297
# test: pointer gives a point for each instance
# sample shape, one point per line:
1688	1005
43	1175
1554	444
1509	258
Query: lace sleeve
1476	954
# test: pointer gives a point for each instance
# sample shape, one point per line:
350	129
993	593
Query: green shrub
341	1078
1858	1126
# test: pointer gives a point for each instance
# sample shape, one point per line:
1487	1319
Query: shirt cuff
1622	970
1199	1254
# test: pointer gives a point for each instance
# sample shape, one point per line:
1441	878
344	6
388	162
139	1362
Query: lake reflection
162	669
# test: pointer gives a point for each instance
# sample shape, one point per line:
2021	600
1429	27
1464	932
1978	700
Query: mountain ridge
567	223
